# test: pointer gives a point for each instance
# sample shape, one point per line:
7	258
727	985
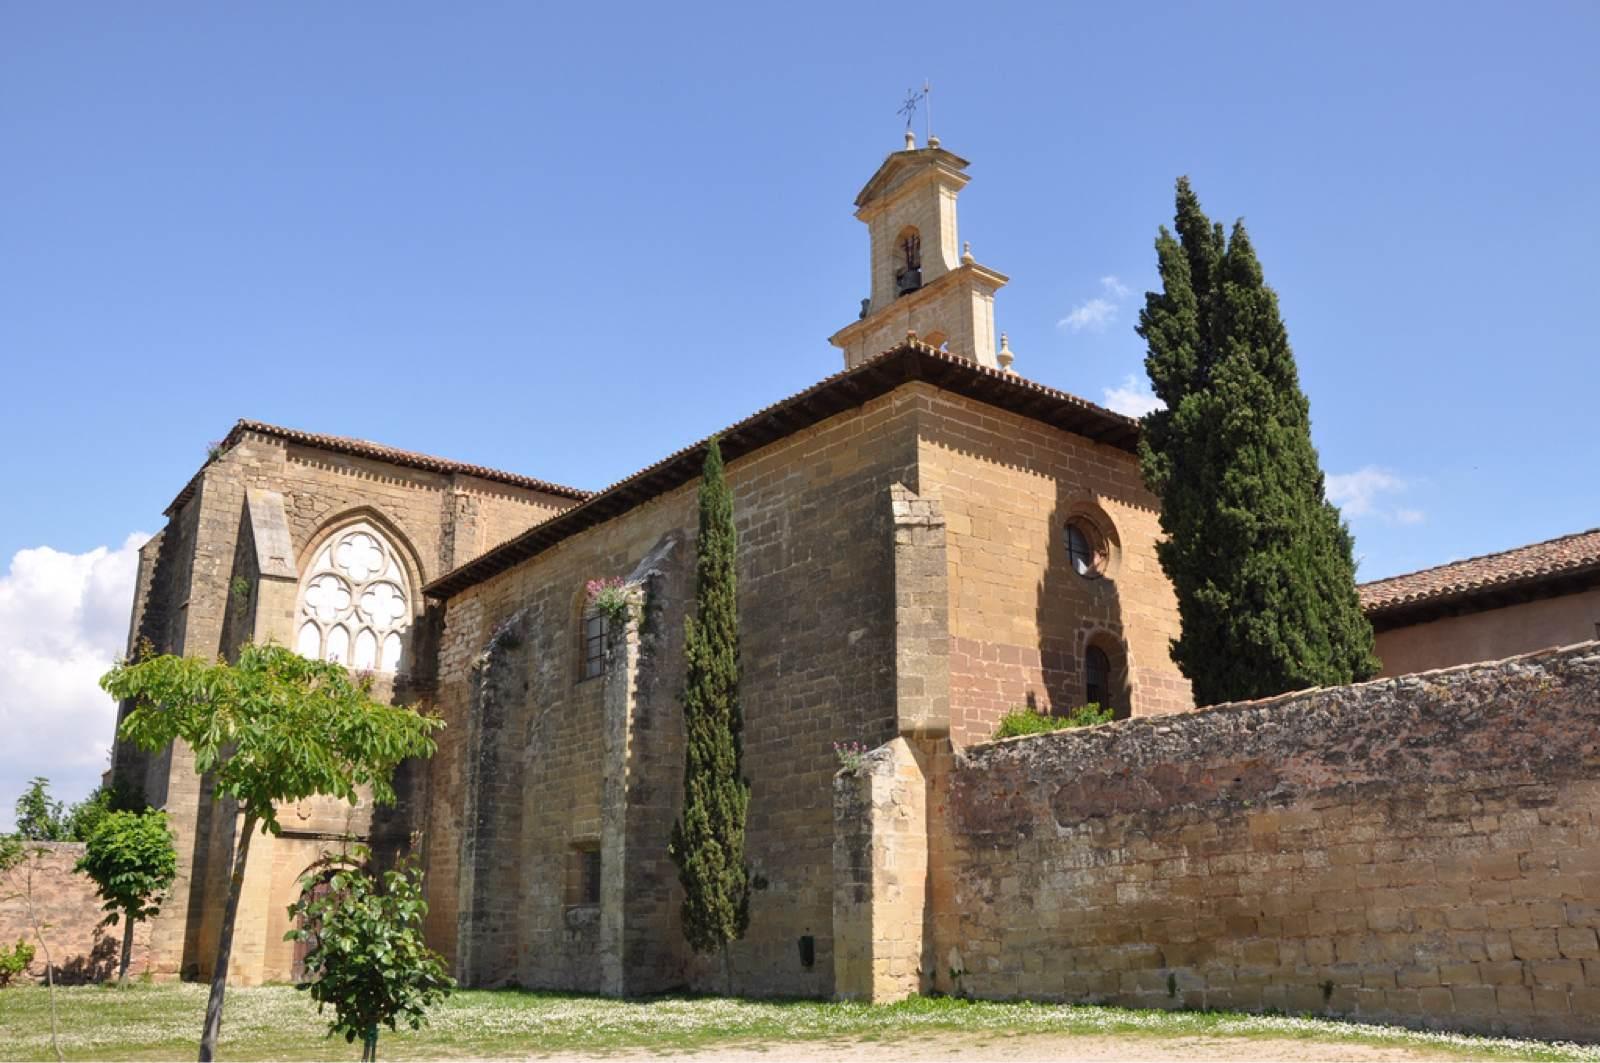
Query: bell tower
923	279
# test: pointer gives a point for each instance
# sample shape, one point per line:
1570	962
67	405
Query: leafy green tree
40	819
82	818
273	729
707	843
1261	562
367	958
132	859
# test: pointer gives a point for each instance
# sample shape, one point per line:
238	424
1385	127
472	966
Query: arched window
1096	677
1086	548
908	261
355	601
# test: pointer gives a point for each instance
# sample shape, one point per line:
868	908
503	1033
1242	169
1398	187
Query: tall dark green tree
1260	560
708	841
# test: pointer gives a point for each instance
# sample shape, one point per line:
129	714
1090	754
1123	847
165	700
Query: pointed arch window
355	602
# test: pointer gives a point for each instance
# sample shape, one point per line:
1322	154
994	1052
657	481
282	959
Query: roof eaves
1485	576
910	361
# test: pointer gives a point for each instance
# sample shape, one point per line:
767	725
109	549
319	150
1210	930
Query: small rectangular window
583	875
595	631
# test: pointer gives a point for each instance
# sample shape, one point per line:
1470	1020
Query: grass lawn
275	1022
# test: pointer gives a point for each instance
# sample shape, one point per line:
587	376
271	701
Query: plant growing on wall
132	860
1261	562
273	729
367	958
707	842
609	597
852	756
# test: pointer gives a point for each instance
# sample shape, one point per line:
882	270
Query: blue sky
567	239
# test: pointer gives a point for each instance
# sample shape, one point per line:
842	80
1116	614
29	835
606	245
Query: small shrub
14	961
852	756
1025	721
367	959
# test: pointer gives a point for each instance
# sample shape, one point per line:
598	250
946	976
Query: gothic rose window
354	602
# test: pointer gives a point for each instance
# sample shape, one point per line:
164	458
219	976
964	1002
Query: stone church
927	539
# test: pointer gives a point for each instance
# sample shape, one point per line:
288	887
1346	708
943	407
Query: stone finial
1005	356
966	253
911	335
933	141
911	141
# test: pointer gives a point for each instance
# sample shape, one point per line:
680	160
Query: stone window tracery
355	602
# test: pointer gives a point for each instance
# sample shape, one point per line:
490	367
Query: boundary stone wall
1422	850
81	948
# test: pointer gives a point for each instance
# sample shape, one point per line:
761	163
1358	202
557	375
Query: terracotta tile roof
364	448
851	388
1526	567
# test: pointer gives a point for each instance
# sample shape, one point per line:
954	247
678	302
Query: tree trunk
50	988
127	948
727	972
219	973
49	975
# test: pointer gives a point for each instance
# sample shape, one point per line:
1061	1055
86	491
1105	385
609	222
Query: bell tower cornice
903	170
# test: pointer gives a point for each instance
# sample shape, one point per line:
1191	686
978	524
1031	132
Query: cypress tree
708	841
1261	562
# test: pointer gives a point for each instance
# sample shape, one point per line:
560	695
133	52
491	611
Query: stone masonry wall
814	518
1423	850
82	950
880	874
1020	617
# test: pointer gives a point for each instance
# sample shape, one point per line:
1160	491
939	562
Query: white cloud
1115	288
1133	398
63	621
1361	494
1094	314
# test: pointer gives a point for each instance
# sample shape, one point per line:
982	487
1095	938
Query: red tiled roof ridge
366	448
384	452
846	389
1550	557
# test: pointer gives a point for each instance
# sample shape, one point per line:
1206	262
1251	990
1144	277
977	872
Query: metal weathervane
924	96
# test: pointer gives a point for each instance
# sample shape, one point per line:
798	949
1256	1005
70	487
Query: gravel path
966	1048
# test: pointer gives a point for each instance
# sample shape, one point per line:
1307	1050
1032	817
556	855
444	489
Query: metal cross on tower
924	96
